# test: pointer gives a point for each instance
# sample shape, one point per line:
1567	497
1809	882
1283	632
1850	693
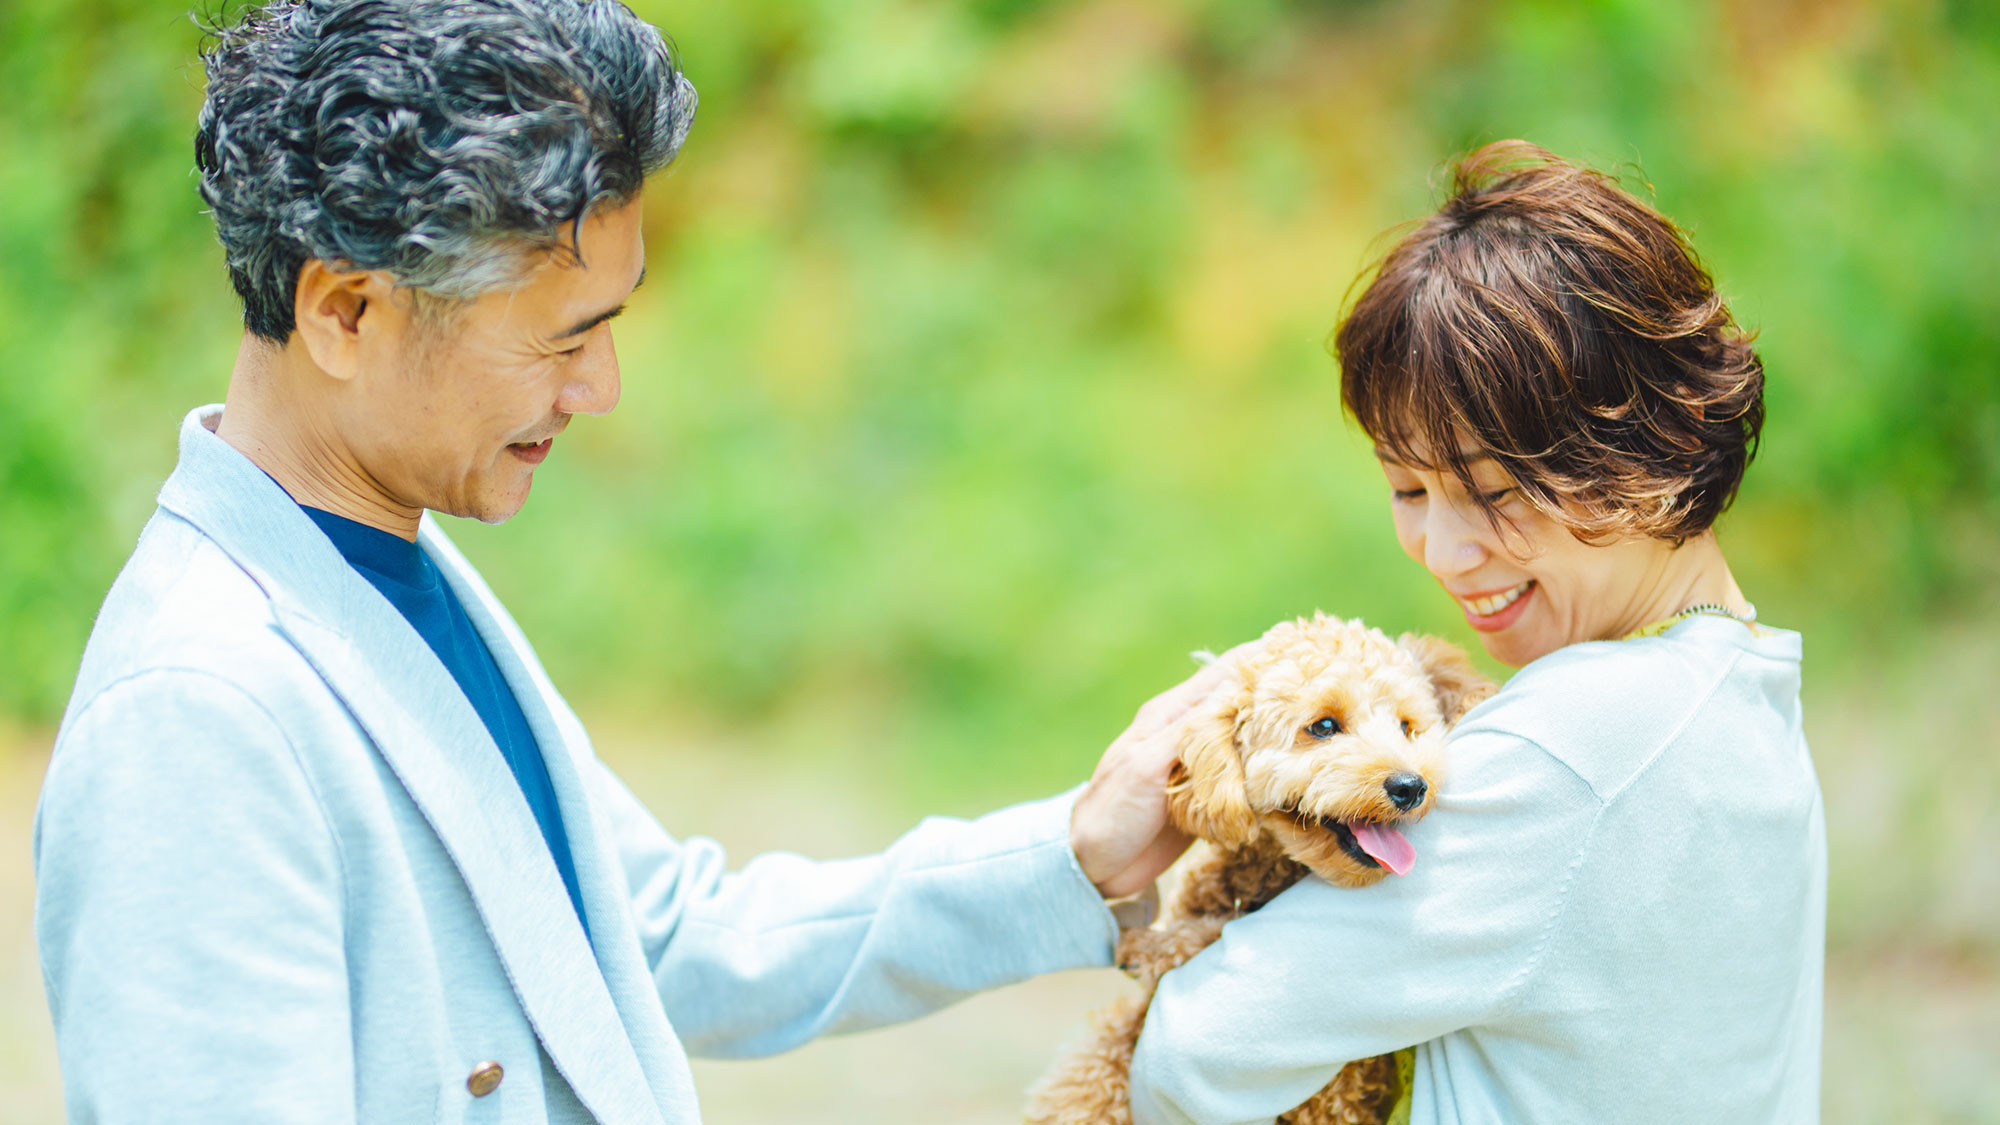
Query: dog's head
1327	736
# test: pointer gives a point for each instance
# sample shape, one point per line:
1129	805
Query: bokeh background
980	377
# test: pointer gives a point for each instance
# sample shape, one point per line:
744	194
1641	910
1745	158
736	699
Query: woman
1618	909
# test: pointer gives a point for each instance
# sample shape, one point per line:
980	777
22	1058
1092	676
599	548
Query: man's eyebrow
586	325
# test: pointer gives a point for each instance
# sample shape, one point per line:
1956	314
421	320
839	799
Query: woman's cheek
1409	519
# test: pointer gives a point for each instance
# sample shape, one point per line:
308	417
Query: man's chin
494	509
501	513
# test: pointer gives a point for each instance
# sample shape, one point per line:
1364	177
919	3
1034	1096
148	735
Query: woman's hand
1119	827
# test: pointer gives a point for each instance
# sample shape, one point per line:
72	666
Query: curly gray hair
442	141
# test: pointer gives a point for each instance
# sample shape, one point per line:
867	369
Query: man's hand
1119	827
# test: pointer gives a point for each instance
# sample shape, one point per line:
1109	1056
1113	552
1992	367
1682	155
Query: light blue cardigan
283	874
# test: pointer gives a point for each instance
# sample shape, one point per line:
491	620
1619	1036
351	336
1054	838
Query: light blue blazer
284	875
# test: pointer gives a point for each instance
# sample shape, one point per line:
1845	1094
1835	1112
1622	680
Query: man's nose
594	379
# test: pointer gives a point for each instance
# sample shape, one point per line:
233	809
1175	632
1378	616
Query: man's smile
532	452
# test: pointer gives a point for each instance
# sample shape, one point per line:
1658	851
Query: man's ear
1208	797
333	308
1458	685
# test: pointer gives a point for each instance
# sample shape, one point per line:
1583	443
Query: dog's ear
1458	685
1208	798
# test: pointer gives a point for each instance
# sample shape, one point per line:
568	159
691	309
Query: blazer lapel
430	736
607	893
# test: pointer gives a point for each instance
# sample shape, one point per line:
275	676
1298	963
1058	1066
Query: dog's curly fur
1273	789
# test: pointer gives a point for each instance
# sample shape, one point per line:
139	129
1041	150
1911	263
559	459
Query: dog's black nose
1406	790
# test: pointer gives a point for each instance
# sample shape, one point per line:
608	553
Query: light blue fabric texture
284	875
411	582
1617	915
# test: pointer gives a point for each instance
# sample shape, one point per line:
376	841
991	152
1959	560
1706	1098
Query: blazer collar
574	773
427	731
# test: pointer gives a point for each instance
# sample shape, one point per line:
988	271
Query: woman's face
1528	589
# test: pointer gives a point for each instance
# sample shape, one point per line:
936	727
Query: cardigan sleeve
189	901
1321	975
762	959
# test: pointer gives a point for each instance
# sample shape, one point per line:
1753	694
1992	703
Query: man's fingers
1170	705
1119	828
1158	751
1164	851
1148	865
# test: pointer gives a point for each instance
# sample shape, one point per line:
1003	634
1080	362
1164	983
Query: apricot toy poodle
1323	739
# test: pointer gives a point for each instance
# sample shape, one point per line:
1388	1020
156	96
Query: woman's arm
1322	976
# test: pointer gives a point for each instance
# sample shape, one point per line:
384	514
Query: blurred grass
980	378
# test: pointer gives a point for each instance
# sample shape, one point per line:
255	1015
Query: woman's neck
1695	573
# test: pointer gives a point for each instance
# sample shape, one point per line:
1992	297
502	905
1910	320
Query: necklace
1655	628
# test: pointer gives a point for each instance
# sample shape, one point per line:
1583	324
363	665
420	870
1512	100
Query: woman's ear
1459	686
1208	798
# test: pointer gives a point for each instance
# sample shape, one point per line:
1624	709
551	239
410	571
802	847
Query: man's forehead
588	285
591	320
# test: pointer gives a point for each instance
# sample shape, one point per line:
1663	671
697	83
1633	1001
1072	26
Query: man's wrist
1136	911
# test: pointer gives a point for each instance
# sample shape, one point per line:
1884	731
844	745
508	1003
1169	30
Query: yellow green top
1654	629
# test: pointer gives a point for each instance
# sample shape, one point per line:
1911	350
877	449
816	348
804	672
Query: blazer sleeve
1256	1023
188	912
760	960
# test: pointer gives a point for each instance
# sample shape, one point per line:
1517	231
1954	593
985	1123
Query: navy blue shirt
411	581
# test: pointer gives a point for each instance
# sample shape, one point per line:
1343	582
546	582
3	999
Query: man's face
455	418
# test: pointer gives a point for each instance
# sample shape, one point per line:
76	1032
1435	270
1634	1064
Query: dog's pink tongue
1388	846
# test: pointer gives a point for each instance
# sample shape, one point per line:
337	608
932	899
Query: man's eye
1323	728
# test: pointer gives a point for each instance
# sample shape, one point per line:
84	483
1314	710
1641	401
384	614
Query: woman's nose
1452	543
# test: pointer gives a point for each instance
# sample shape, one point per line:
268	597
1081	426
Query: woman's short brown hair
1554	322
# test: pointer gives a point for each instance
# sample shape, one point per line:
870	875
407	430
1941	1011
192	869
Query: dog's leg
1363	1093
1236	880
1089	1085
1145	954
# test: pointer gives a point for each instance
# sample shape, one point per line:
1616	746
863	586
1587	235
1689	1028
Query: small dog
1325	737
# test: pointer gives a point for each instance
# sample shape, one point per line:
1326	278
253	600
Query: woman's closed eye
1493	497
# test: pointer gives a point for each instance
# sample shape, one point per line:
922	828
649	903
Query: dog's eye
1406	728
1323	728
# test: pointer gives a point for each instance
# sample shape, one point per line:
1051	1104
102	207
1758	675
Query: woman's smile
1494	610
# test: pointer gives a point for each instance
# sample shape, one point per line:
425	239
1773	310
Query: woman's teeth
1487	607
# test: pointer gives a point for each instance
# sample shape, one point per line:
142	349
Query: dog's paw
1139	953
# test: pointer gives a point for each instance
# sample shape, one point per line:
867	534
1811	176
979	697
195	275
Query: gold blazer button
484	1079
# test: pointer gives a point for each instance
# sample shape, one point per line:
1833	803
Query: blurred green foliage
980	376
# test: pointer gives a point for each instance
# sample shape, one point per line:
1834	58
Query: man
319	841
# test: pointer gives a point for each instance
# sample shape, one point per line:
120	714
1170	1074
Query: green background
980	376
